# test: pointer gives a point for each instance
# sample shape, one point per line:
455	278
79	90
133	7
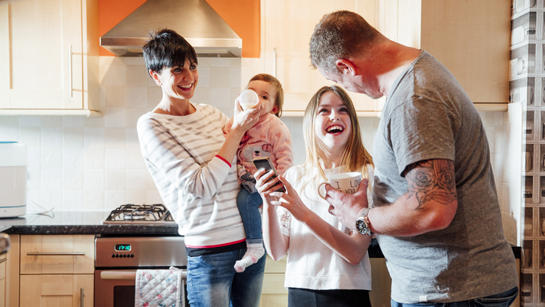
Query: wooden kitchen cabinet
3	263
48	57
57	290
287	27
11	297
274	294
51	270
471	38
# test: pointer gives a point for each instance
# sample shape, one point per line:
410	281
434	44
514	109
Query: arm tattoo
432	180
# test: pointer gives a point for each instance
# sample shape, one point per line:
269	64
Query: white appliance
12	179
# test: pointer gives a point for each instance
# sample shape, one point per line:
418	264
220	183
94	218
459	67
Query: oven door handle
125	275
117	275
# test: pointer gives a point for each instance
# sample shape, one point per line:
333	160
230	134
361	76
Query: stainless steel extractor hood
195	20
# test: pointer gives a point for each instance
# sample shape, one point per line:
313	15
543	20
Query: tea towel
159	288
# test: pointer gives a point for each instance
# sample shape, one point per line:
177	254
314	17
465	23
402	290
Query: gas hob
140	214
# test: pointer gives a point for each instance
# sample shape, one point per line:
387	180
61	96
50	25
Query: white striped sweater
197	187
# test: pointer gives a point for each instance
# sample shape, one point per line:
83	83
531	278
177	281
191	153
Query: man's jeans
503	299
213	282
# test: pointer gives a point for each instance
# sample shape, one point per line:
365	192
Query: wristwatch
362	223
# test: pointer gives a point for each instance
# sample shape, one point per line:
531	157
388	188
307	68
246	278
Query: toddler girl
269	138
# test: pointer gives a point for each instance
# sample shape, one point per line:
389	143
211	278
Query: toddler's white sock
254	252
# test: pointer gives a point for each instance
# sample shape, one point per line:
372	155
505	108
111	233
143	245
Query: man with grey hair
435	208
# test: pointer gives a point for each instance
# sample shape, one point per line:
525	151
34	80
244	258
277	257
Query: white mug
346	182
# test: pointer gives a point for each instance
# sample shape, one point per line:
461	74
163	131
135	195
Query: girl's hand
266	184
291	201
267	187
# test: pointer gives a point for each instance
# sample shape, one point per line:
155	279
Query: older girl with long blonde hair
327	265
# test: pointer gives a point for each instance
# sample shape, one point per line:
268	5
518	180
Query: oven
117	258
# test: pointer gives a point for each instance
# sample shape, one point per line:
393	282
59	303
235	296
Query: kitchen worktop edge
91	222
79	222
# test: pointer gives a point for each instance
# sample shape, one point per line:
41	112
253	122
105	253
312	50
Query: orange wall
111	13
244	18
242	15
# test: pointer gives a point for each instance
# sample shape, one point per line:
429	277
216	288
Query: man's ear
346	66
155	76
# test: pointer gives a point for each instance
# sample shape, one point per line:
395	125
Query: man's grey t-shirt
427	115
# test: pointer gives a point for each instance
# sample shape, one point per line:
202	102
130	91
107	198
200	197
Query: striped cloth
197	187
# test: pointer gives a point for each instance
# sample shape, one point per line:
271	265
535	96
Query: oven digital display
122	247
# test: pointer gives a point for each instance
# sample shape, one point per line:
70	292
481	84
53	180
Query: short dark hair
339	35
167	48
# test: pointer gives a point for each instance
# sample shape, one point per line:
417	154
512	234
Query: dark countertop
79	222
90	222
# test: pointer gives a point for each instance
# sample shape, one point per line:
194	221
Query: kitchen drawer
57	254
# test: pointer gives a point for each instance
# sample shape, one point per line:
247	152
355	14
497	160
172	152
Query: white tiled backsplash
77	163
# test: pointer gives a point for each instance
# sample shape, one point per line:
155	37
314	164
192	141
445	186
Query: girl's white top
310	263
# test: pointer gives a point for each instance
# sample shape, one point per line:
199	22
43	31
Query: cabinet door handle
81	297
10	47
55	254
70	91
275	56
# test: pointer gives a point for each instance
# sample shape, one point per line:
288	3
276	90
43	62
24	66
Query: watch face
359	224
362	227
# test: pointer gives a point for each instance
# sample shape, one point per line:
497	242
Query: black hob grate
146	214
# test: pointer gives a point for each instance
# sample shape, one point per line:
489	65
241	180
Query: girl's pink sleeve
281	140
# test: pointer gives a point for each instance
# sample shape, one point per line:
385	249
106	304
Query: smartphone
266	164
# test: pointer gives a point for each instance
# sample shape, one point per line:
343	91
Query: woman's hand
244	120
227	127
241	122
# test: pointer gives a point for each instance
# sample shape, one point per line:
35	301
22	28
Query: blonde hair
355	157
279	100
